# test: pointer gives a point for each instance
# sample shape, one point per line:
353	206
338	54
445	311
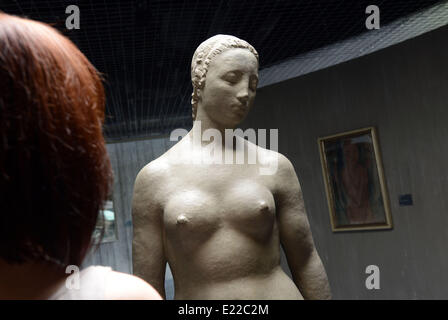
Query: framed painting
106	226
354	181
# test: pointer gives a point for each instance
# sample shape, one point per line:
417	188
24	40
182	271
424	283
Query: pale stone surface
220	226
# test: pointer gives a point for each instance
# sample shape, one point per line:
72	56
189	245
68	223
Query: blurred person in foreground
55	173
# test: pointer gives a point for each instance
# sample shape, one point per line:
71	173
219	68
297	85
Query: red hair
54	170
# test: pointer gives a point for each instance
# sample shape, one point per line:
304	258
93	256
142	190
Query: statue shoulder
154	171
281	170
275	159
285	166
151	180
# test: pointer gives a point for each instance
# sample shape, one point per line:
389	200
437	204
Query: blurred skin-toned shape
55	173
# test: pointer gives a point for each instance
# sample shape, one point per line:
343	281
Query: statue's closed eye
232	77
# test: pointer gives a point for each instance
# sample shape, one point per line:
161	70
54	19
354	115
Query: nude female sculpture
220	226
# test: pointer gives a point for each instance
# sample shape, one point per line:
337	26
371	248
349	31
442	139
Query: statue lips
240	108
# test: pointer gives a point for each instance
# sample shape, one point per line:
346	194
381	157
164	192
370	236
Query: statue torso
220	232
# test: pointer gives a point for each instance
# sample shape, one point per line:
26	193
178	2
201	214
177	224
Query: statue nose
243	98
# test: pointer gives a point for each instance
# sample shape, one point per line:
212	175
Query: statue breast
192	216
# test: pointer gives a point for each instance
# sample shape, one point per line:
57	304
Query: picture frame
106	227
354	181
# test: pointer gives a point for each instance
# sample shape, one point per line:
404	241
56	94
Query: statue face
230	86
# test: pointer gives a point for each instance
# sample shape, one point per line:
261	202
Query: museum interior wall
403	92
127	158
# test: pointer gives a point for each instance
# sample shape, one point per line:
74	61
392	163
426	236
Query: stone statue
220	225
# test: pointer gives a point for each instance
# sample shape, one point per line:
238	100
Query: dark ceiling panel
144	48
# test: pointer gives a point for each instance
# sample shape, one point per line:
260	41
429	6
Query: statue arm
295	235
148	256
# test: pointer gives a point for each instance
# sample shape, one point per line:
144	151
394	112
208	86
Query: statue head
203	56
